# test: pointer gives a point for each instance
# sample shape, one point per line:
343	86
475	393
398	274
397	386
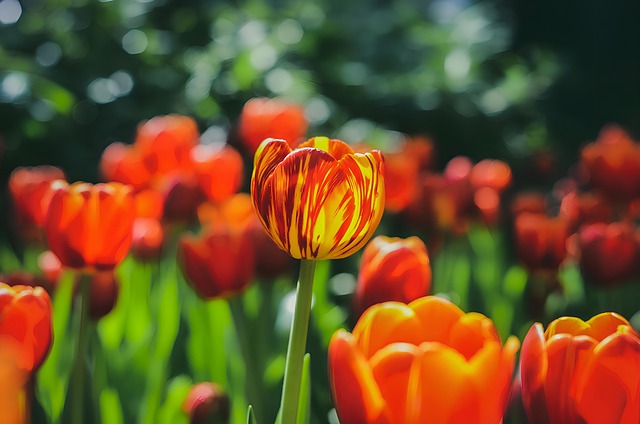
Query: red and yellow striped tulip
393	268
319	201
579	372
90	226
427	362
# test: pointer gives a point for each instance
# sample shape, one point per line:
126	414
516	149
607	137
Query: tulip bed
319	281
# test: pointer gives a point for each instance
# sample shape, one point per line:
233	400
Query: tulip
147	239
393	268
426	362
579	372
165	142
541	241
13	402
219	262
320	201
28	187
25	318
402	169
218	168
123	163
262	118
612	164
609	253
207	403
90	226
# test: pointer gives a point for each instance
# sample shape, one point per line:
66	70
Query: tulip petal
534	363
363	173
437	317
356	395
447	394
568	357
469	334
386	323
611	393
392	366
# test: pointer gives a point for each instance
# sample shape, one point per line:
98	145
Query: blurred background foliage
503	78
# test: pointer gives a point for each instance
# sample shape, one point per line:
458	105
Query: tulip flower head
262	118
25	322
393	268
90	226
319	201
426	362
579	372
28	187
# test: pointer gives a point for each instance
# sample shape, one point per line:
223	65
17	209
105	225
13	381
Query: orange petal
356	395
469	334
386	323
437	317
533	372
392	367
611	393
447	395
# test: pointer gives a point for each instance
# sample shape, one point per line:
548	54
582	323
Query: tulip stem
297	343
77	382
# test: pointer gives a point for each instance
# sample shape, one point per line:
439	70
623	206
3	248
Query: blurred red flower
263	118
541	241
90	226
219	170
28	188
609	254
392	268
25	318
612	164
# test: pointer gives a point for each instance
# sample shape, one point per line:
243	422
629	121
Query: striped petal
313	205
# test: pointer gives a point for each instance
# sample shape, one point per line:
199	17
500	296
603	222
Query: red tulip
541	242
271	118
609	253
165	142
393	269
221	260
28	187
25	318
90	226
147	239
580	372
612	164
218	169
206	403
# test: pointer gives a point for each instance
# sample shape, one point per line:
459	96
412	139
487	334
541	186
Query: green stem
253	378
77	382
297	343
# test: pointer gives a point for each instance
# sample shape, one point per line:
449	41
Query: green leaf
251	418
110	409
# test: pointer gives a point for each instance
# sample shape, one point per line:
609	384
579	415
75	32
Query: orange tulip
320	201
579	372
426	362
28	187
262	118
25	318
13	402
218	168
90	226
393	269
221	260
612	164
